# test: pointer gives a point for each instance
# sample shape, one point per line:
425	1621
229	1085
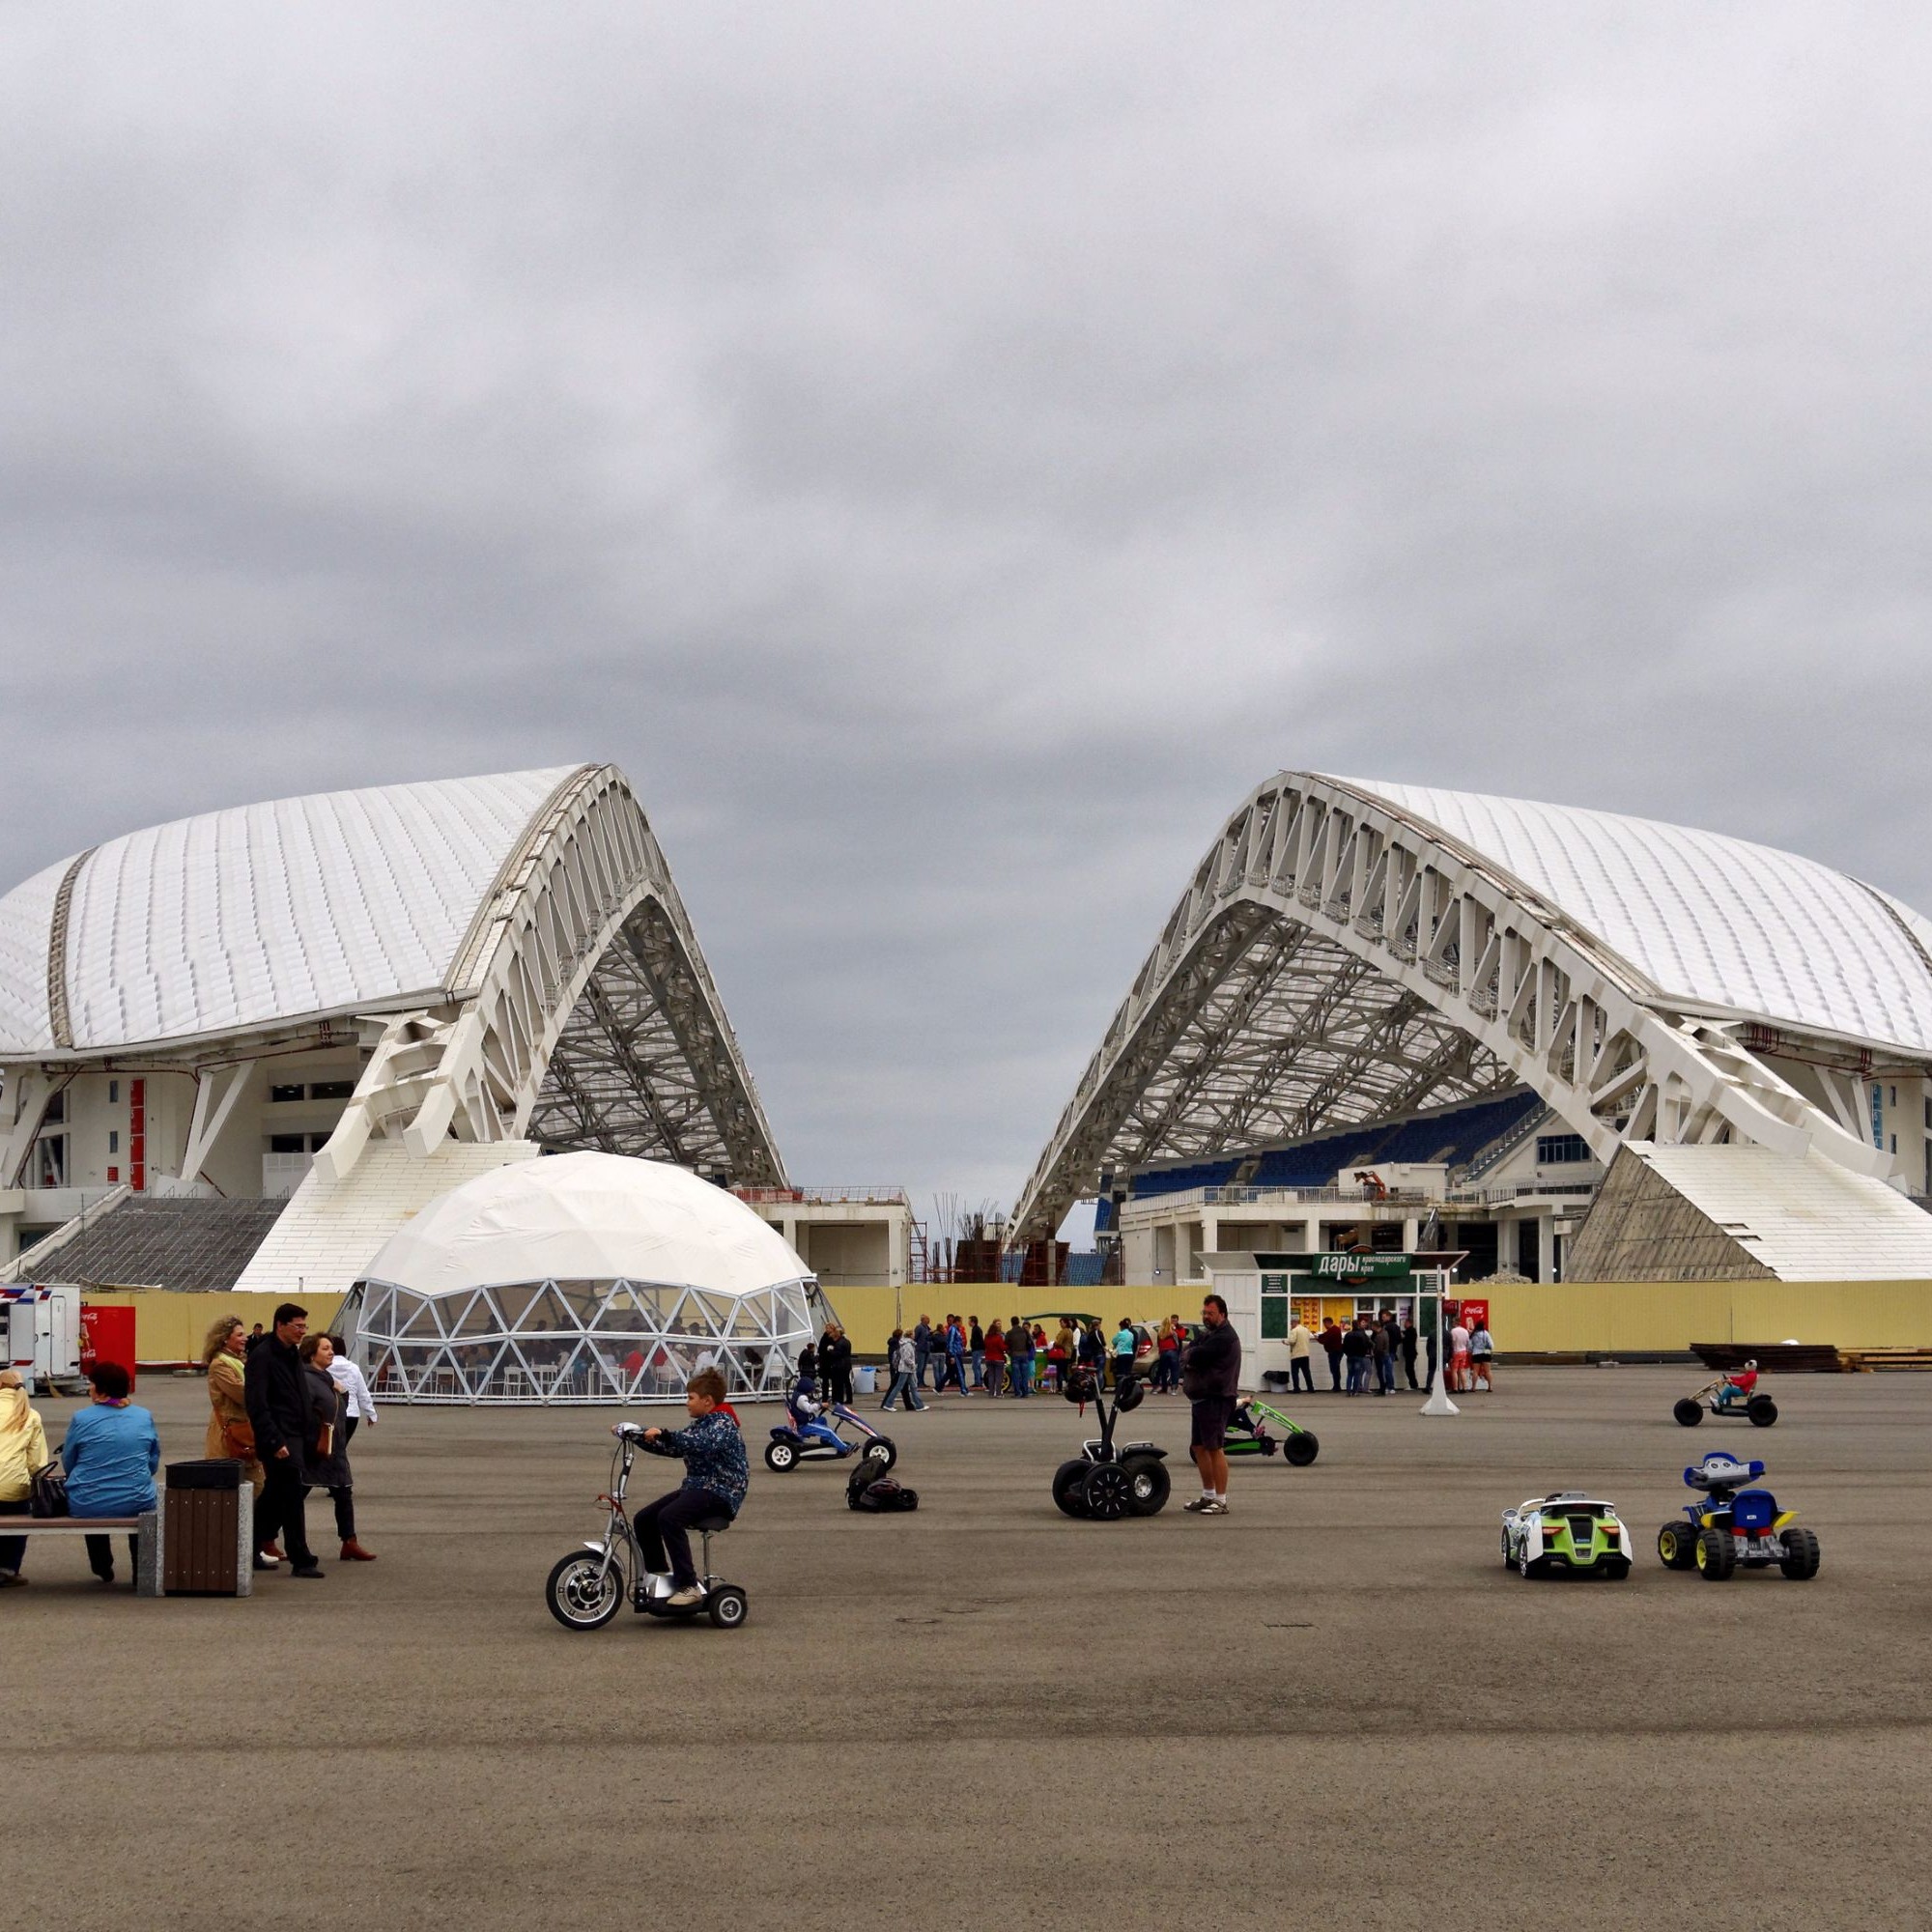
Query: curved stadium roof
1349	949
347	900
1709	921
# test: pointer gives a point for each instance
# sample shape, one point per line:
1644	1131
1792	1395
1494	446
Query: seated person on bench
715	1479
110	1455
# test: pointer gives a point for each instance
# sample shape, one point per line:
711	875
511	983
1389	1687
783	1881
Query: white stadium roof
1350	950
591	1217
348	900
1709	921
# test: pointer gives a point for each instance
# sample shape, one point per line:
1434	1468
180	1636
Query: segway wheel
1762	1411
728	1607
1301	1448
584	1592
1068	1495
1151	1485
780	1457
1689	1412
1108	1491
882	1452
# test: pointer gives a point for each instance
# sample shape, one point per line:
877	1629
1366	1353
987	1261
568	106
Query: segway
1107	1481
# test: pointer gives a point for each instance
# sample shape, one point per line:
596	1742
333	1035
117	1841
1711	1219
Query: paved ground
1331	1708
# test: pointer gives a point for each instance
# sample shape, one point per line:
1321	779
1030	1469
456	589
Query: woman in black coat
325	1450
834	1364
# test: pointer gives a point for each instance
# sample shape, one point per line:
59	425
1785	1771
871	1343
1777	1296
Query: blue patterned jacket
714	1457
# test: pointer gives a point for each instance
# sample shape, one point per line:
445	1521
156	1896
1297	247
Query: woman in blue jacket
110	1456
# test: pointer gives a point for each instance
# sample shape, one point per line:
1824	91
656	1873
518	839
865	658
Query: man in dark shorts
1212	1380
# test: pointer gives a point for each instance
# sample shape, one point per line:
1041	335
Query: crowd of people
283	1404
1020	1358
1364	1356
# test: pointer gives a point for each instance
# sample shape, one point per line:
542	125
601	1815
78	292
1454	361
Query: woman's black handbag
46	1491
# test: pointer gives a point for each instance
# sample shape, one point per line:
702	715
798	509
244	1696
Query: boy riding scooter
714	1477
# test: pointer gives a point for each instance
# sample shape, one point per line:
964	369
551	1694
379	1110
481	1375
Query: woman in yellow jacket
23	1449
229	1430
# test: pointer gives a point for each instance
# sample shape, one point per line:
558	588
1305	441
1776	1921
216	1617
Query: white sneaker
1216	1508
683	1600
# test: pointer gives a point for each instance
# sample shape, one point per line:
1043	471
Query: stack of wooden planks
1863	1361
1781	1358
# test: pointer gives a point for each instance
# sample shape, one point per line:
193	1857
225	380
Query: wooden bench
147	1527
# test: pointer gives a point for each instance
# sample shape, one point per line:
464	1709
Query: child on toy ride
715	1480
807	1414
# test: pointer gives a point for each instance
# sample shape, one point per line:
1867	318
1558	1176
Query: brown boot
354	1552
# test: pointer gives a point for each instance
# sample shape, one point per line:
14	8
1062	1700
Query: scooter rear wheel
727	1607
585	1593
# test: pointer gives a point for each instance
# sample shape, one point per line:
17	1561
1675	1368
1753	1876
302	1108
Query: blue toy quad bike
588	1587
1248	1435
1733	1396
1734	1525
1107	1481
814	1433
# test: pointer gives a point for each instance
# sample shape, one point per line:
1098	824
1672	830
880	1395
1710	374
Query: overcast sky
948	457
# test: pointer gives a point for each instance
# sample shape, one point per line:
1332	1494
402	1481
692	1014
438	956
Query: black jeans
13	1548
282	1495
100	1556
1408	1367
1335	1369
662	1527
1300	1375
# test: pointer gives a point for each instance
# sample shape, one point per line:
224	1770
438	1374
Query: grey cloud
947	460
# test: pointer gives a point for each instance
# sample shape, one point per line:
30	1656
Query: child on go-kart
715	1479
805	1411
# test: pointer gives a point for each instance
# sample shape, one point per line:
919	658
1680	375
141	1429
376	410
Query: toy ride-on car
1731	1396
1734	1524
1567	1531
1108	1480
588	1587
1248	1435
815	1431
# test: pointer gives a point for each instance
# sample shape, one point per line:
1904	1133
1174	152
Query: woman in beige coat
23	1449
229	1433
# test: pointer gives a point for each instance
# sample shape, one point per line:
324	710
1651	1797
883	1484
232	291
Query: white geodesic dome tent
586	1278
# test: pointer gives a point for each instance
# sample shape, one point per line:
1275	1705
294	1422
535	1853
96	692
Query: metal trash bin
208	1531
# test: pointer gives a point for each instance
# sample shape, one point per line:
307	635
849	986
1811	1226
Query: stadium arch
1347	951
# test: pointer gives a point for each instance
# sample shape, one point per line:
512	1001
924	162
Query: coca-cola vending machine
106	1335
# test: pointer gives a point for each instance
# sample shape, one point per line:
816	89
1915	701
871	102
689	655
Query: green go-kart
1248	1435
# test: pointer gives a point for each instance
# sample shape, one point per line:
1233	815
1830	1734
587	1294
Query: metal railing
862	1197
50	1244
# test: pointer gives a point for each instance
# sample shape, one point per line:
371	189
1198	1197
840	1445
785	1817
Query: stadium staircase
180	1242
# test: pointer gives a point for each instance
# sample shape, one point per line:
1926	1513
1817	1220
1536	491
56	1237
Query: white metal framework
509	953
580	1013
1340	956
575	1340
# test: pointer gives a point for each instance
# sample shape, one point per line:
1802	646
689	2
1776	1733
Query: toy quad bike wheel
1301	1449
1689	1412
1149	1485
1068	1492
1677	1545
1802	1555
1717	1554
1761	1410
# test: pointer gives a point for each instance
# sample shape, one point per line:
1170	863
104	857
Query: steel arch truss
580	1013
1333	960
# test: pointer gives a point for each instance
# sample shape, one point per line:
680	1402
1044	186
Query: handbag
238	1439
46	1491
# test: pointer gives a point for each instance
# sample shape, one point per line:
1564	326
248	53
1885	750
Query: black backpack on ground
865	1490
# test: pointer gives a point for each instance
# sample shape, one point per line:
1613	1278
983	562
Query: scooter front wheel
727	1607
584	1592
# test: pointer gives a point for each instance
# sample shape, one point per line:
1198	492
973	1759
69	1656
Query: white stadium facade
1569	1042
243	1049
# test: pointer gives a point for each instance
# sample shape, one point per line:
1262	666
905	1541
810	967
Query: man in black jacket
277	1399
1210	1378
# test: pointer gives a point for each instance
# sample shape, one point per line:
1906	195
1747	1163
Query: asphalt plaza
1333	1706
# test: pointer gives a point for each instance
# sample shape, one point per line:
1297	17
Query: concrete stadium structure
350	1003
1708	1031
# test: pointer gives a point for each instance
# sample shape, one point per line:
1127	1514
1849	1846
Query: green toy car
1249	1435
1567	1531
